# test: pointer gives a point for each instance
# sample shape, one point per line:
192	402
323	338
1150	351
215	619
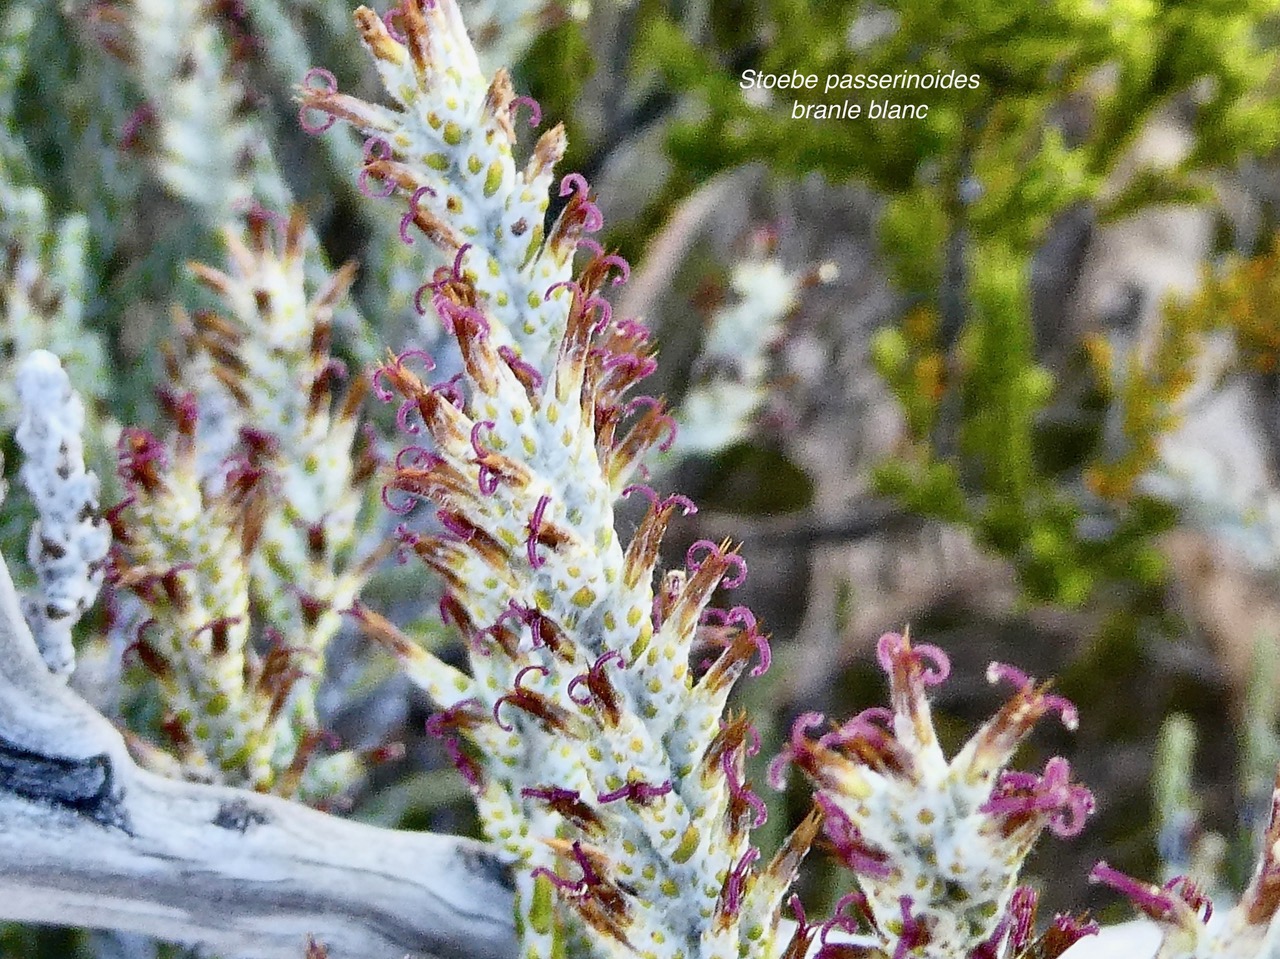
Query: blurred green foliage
1067	87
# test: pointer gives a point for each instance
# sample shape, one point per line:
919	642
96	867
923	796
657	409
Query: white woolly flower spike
595	738
268	348
937	845
449	145
69	540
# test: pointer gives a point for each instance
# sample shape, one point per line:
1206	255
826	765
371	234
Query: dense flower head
293	415
597	754
936	845
241	526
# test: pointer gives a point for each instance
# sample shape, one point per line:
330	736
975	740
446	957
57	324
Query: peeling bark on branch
89	839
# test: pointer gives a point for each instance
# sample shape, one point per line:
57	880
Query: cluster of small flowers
598	753
732	387
271	515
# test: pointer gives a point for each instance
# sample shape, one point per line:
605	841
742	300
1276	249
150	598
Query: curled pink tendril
592	245
914	933
454	525
438	726
740	790
633	330
595	671
687	506
526	616
535	524
605	310
574	182
842	921
417	457
641	793
488	480
693	560
384	393
1020	793
402	418
735	884
571	285
329	86
372	146
873	722
407	220
647	491
388	19
451	391
404	509
518	689
518	365
621	265
776	773
535	109
1051	702
456	271
893	645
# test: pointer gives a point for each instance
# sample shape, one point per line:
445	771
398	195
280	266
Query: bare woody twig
89	839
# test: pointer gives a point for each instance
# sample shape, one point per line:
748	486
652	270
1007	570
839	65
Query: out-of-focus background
1006	374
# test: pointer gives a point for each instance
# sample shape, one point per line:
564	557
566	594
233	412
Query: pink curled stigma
742	616
519	365
535	109
535	524
402	418
407	220
563	284
1004	673
647	491
687	506
371	155
328	87
404	509
419	458
734	886
456	271
450	391
694	563
776	773
515	693
488	479
593	246
385	394
641	793
574	182
1050	702
454	525
633	330
603	308
891	646
594	671
739	790
388	19
620	264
